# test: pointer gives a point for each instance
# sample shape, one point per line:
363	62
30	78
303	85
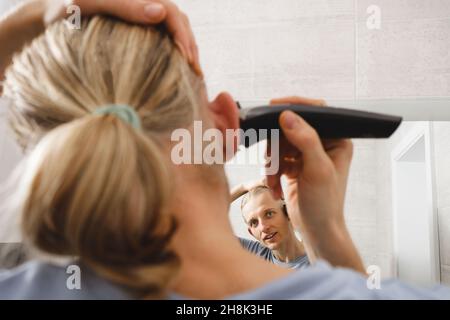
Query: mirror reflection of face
265	220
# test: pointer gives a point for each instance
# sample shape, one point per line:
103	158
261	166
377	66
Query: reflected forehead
258	204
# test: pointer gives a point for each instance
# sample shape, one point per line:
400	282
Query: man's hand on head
137	11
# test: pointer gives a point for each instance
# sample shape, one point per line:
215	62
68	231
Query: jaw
273	245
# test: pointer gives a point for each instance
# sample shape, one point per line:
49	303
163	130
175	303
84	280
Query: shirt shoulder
257	248
299	263
38	280
323	282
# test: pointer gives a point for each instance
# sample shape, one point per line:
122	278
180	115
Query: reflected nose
265	227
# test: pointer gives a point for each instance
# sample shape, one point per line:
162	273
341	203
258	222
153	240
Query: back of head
95	187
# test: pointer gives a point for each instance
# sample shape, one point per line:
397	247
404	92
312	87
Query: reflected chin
272	245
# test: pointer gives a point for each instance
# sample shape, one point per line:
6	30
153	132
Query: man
268	222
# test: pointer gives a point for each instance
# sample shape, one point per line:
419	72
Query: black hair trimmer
329	122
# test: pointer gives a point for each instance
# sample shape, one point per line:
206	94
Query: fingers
272	180
274	184
289	160
178	25
303	151
299	100
145	12
255	184
263	181
149	12
302	136
193	48
53	11
341	153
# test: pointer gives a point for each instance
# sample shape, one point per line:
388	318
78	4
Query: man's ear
225	114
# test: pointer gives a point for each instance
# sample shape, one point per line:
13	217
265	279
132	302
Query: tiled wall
5	5
264	49
360	205
409	56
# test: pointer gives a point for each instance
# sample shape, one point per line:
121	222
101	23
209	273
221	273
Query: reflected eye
253	223
270	214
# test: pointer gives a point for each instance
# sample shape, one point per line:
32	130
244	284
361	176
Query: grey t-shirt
43	281
257	248
36	280
324	282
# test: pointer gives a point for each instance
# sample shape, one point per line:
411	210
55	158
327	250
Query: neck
290	249
214	265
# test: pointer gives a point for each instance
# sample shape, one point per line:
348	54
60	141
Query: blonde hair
253	192
94	187
257	191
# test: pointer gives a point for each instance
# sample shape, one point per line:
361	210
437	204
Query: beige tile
406	9
409	55
385	237
406	58
364	237
210	13
6	5
314	59
445	275
292	47
386	263
271	61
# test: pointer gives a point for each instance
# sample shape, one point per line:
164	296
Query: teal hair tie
122	111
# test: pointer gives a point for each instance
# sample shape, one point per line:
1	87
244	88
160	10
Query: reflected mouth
269	236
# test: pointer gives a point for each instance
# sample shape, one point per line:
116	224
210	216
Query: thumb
144	12
303	137
137	11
